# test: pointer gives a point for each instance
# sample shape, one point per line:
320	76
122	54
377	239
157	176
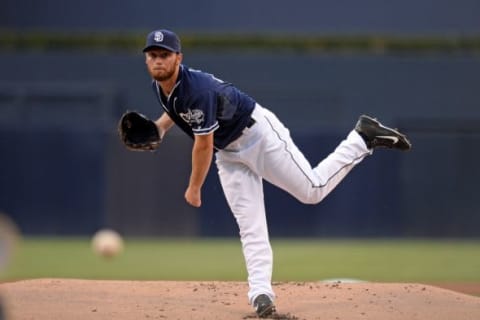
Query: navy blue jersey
201	104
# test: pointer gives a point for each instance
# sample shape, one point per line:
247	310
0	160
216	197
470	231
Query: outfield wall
64	171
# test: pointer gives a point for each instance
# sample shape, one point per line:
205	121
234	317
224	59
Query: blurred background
69	69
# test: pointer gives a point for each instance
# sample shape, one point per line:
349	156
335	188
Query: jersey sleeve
203	113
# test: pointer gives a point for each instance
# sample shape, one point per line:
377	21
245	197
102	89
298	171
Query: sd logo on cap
165	39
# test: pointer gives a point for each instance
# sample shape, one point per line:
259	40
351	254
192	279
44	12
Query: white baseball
107	243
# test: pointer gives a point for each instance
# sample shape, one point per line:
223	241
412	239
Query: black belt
250	122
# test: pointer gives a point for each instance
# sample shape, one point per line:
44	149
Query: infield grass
221	259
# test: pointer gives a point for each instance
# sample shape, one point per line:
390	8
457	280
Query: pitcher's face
162	63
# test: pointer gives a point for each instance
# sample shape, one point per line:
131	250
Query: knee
310	201
312	197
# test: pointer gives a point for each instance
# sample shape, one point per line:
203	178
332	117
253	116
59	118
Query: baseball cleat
264	306
377	135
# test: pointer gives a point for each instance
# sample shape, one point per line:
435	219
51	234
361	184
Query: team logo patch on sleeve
195	116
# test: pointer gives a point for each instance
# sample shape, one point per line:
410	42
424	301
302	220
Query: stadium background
66	78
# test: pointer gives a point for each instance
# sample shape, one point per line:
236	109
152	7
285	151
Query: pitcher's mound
61	299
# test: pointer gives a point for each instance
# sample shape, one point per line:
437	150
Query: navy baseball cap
165	39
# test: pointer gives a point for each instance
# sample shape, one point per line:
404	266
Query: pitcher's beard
163	76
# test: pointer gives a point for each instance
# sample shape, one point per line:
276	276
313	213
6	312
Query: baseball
107	243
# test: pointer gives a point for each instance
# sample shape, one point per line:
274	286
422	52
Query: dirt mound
60	299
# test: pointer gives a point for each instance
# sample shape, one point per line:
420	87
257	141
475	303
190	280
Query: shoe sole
267	312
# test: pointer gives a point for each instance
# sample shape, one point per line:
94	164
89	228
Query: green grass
379	260
221	259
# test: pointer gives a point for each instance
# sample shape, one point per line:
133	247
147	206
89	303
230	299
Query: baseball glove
137	132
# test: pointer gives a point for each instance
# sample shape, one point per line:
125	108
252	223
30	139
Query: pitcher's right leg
285	166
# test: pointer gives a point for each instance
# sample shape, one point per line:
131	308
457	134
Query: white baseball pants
266	151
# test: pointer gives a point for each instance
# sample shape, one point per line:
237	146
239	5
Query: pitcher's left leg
244	192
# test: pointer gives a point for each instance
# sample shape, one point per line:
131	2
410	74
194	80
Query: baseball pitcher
249	144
